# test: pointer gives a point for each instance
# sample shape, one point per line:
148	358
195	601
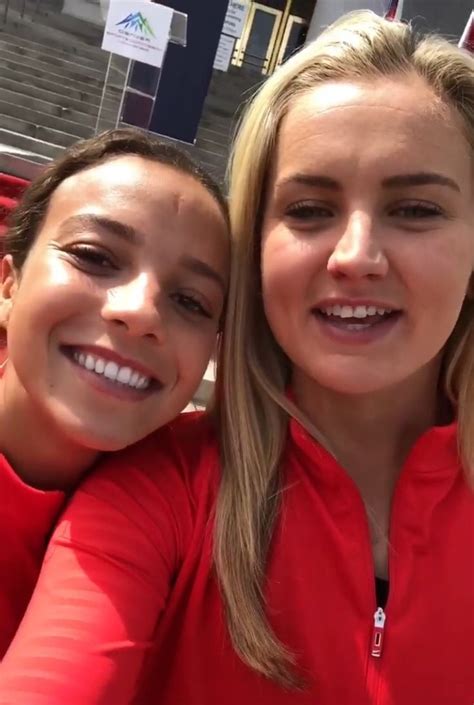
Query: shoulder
173	468
151	498
182	446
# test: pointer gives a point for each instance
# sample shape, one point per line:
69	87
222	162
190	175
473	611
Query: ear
9	281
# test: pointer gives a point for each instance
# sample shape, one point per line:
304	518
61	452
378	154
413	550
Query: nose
358	253
134	307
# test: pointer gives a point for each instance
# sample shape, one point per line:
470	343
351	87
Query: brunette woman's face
368	233
114	315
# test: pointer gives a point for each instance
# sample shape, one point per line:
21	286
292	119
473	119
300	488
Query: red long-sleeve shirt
129	575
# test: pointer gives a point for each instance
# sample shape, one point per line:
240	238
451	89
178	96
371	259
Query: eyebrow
422	178
197	266
82	222
316	180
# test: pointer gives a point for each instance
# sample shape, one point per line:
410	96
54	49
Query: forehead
388	124
133	184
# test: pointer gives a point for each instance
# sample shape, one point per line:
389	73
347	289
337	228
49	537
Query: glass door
294	36
257	46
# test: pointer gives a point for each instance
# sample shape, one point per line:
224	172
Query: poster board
138	30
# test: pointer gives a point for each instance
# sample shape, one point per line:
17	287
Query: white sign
139	30
224	53
235	18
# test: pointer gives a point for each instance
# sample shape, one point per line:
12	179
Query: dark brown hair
26	219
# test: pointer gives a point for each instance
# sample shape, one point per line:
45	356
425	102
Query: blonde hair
250	402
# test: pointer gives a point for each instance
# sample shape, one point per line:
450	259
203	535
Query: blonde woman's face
368	234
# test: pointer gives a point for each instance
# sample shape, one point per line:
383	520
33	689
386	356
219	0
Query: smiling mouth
121	376
355	318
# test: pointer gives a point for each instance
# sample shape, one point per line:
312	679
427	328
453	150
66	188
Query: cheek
192	348
287	269
442	280
50	293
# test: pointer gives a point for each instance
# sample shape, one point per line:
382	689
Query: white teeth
124	375
143	383
90	362
346	312
112	371
360	311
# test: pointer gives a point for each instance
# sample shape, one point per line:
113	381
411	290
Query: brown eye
88	256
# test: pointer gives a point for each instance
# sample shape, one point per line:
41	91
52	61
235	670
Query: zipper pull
377	633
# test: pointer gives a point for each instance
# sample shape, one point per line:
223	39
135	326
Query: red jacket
26	522
130	575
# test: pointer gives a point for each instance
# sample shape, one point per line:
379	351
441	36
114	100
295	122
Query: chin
105	441
355	382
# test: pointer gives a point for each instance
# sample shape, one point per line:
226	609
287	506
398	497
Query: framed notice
138	30
224	53
235	18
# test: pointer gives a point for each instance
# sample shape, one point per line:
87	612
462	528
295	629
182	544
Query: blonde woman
247	557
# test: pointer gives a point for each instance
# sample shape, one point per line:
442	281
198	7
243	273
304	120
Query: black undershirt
381	591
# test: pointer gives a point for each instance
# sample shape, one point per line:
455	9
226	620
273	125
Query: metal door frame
291	21
241	43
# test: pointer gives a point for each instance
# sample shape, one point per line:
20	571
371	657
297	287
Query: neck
40	454
372	430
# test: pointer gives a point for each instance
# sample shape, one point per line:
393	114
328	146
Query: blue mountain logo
137	23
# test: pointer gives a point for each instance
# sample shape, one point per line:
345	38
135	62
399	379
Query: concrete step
86	32
99	62
216	128
50	24
21	162
225	128
65	104
47	121
56	138
57	65
212	158
16	140
218	148
49	110
61	82
92	79
221	108
25	81
49	37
